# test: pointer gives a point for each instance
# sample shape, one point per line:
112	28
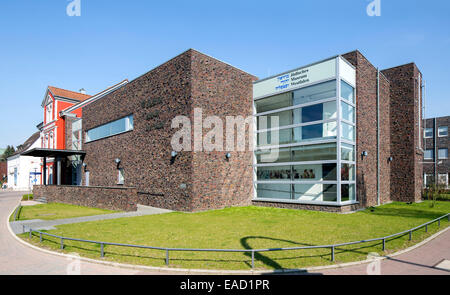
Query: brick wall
116	198
366	132
406	173
194	181
221	90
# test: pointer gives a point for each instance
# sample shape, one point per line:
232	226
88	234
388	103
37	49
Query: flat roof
52	153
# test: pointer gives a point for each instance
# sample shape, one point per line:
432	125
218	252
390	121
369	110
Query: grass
27	197
250	228
54	211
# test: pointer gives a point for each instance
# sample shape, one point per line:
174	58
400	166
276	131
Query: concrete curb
180	271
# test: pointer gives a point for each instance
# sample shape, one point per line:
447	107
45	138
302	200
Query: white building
24	172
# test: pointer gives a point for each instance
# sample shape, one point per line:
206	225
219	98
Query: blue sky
113	40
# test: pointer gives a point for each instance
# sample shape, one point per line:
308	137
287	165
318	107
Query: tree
7	153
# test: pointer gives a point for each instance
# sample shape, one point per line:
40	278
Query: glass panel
428	155
329	110
273	102
112	128
428	132
347	92
442	131
284	119
318	172
348	112
283	156
348	152
315	92
314	152
442	153
312	131
312	113
348	131
117	126
315	192
297	134
348	192
274	173
273	191
275	137
348	172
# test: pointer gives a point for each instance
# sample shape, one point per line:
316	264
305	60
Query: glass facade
309	156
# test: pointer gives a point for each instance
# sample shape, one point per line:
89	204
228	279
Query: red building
53	129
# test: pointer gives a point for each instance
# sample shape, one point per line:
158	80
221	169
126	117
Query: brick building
352	138
437	144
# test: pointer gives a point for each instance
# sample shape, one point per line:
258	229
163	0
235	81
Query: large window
109	129
298	159
314	93
347	92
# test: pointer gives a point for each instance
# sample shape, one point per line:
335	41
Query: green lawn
250	228
53	211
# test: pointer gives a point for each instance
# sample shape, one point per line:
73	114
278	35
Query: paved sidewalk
19	227
428	259
18	259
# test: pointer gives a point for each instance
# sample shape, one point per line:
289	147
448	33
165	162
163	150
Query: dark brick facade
366	131
437	166
200	180
195	180
113	198
406	167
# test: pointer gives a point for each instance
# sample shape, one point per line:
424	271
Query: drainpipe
378	137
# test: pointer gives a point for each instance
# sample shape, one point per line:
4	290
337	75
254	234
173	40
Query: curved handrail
252	251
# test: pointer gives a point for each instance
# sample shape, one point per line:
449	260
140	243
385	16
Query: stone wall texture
112	198
406	167
194	180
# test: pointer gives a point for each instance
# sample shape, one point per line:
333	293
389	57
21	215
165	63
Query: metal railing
17	211
252	251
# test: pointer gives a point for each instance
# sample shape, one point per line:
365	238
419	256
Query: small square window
428	133
428	155
442	131
442	154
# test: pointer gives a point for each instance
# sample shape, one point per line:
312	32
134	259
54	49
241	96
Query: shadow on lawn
357	249
360	249
404	212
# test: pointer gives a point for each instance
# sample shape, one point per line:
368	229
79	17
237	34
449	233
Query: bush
435	192
27	197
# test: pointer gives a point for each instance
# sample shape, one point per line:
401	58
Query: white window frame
441	158
425	133
425	158
445	176
439	131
